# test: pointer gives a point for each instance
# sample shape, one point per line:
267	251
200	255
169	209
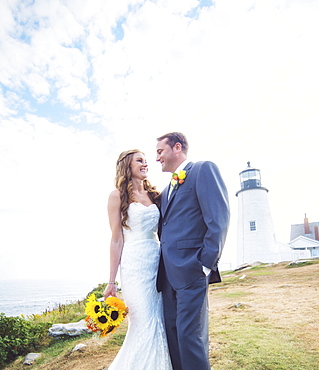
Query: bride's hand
110	290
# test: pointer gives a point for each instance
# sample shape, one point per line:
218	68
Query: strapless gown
145	345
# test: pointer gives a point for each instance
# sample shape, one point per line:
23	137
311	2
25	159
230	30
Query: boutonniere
178	178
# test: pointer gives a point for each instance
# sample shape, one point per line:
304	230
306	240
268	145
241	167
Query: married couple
165	283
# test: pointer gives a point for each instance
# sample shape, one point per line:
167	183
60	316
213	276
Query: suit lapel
188	167
166	202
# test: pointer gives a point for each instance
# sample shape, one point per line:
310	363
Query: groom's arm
213	200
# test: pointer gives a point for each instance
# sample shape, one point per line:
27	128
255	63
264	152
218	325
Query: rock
297	262
242	277
256	263
72	329
218	287
237	305
242	267
248	265
78	347
30	358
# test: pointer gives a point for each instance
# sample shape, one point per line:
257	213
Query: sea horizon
35	296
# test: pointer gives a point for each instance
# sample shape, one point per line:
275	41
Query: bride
133	216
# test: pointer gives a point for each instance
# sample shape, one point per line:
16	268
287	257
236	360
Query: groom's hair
175	137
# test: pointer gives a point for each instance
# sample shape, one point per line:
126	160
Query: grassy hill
265	317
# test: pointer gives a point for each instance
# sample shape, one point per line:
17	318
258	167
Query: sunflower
115	302
93	307
102	321
104	316
115	316
108	330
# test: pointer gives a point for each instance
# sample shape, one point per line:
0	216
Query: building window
252	225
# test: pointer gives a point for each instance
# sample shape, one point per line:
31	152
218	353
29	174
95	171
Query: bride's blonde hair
123	182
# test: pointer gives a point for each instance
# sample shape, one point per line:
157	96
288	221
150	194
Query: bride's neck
138	186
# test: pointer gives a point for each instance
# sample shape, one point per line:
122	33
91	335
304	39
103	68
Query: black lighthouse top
250	179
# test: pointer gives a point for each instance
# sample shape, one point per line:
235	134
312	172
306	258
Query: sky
81	81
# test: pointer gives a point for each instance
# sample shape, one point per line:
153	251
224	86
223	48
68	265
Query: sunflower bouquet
104	316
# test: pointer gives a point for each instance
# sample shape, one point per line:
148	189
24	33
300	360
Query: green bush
19	336
98	291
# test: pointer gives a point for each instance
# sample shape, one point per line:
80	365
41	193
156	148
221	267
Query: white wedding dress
145	345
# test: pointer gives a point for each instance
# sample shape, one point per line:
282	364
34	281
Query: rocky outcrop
71	330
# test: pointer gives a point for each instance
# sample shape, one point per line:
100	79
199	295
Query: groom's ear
178	147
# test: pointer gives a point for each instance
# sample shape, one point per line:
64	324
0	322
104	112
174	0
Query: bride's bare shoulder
115	196
114	202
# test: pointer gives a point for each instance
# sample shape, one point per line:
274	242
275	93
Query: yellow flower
108	330
178	178
115	316
182	175
115	302
104	316
93	307
102	321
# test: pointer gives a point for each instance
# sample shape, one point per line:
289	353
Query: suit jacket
193	226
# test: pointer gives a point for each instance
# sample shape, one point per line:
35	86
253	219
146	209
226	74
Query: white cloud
54	187
240	80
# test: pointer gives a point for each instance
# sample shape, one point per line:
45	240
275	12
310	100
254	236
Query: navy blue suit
193	228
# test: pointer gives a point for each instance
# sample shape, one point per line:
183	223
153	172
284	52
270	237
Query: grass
303	263
58	347
261	273
57	351
116	340
256	344
238	294
274	327
245	337
63	344
62	313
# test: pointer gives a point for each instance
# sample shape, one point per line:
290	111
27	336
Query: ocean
29	297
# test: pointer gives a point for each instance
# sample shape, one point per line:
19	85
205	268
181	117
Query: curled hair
175	137
124	183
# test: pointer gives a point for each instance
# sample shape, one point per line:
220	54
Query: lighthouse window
252	225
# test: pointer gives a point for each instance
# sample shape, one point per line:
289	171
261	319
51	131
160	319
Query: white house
304	239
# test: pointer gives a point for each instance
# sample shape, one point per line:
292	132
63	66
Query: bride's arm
116	246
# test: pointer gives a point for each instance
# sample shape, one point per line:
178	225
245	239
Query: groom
194	223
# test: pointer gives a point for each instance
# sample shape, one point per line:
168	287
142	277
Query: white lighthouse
256	236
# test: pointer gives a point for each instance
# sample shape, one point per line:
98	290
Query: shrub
19	336
98	291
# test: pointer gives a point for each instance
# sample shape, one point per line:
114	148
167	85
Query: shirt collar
182	166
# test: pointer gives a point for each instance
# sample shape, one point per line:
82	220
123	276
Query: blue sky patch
195	11
118	31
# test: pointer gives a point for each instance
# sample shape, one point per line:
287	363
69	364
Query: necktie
171	187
